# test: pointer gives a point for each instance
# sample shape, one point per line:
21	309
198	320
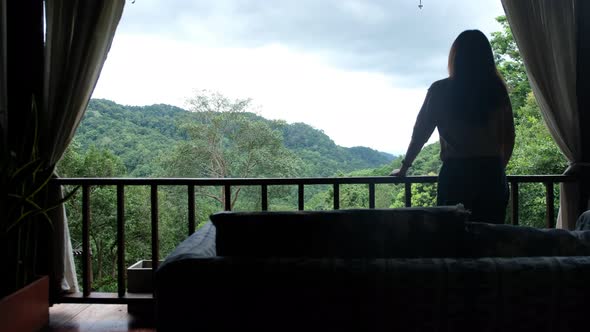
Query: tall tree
228	143
510	63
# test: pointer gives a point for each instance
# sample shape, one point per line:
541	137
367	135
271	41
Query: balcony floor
95	318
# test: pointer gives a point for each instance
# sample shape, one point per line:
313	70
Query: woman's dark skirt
477	183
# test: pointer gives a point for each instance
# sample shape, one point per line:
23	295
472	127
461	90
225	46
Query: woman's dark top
460	136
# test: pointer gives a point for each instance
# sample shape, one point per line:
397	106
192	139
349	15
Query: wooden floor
95	318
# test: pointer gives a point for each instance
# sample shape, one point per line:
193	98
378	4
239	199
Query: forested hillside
142	135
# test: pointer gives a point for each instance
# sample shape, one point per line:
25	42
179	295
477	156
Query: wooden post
191	209
301	197
371	195
86	259
227	197
408	194
514	202
336	196
121	240
264	198
550	209
155	238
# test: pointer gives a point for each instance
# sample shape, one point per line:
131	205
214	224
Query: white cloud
353	108
332	85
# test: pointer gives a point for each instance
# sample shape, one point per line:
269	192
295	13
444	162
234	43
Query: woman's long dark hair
477	87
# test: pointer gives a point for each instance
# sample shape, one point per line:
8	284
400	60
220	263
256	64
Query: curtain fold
79	34
3	75
546	32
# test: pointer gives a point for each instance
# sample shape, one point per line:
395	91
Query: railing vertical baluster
514	202
408	193
336	196
155	238
549	198
371	195
121	240
86	259
301	197
264	198
227	197
191	209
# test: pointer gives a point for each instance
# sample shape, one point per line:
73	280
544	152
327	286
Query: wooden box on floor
140	280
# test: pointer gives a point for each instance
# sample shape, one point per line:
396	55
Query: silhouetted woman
473	114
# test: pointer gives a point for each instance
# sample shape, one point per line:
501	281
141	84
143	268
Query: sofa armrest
199	244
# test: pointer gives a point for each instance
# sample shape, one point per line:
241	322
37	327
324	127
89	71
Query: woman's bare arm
423	128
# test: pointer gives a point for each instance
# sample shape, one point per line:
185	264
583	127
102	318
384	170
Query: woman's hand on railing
400	172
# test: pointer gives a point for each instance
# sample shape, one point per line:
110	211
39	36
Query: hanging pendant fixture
420	5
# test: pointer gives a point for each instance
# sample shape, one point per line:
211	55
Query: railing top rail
542	178
287	181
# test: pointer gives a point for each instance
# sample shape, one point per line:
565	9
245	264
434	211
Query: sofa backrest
357	233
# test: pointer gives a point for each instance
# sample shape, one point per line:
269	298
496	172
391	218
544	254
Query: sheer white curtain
78	39
546	34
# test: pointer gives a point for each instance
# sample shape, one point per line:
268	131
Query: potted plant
24	220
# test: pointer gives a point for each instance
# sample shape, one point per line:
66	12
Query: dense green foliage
510	64
220	137
323	157
140	136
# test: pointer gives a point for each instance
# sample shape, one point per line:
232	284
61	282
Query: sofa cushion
489	240
385	233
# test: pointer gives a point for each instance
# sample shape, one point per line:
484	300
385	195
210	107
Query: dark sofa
416	269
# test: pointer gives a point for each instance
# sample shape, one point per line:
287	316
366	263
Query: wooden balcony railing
87	296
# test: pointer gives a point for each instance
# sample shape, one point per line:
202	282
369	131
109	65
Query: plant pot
26	309
140	280
139	277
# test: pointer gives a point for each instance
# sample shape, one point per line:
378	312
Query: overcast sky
356	69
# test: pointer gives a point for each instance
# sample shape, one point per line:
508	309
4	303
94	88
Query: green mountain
140	135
